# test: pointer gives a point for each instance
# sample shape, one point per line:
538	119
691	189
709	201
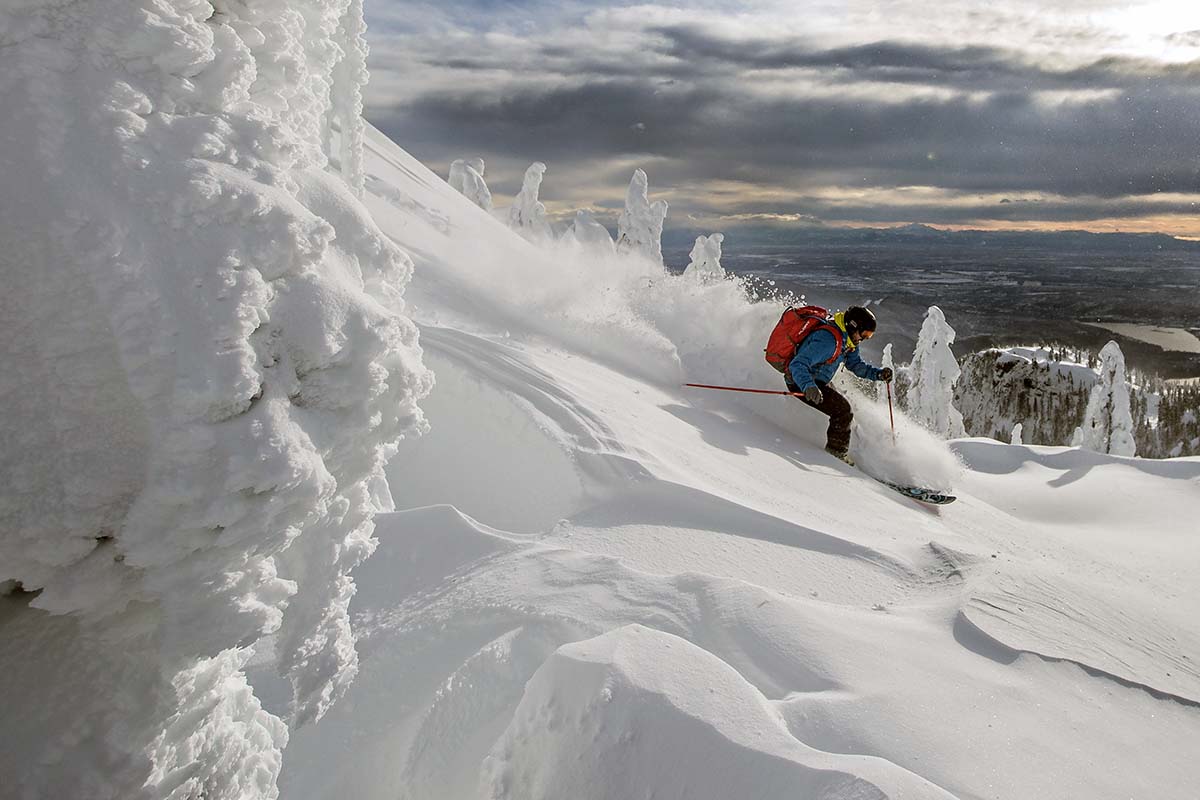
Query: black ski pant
837	408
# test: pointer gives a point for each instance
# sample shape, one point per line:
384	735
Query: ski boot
840	455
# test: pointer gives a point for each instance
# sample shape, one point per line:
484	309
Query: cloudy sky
951	113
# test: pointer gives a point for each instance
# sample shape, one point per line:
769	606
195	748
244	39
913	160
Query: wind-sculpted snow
585	713
1057	617
207	365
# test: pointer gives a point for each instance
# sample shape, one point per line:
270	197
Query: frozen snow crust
604	585
207	363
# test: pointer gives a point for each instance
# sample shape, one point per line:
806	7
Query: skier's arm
816	349
862	369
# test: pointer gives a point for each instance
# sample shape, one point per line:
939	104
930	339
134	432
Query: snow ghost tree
1108	422
640	226
591	234
932	375
1017	432
208	365
886	361
466	176
527	215
705	263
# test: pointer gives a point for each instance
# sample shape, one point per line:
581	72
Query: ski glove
885	374
813	395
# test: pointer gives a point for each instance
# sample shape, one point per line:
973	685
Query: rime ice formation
932	375
705	259
886	360
640	226
208	364
1108	423
1017	432
591	234
349	78
466	175
527	215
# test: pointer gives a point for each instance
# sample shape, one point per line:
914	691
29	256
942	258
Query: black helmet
859	320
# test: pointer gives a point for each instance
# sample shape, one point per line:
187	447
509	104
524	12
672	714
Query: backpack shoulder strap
839	341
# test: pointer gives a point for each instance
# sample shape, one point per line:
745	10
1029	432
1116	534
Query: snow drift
618	716
208	365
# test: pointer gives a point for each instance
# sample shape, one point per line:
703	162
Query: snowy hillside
606	586
315	495
1048	394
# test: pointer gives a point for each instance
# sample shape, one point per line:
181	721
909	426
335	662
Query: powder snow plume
208	362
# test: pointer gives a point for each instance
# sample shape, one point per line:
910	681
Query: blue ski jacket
808	366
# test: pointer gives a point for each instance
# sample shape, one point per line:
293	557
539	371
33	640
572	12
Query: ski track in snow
706	574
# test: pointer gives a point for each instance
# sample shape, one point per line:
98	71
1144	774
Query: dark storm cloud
1135	143
965	68
962	119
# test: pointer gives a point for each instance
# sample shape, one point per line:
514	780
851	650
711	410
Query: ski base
920	494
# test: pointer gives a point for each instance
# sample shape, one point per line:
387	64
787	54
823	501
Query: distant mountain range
915	233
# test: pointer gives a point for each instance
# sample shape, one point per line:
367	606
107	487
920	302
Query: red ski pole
740	389
890	416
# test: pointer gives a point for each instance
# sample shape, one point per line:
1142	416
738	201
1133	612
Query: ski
919	493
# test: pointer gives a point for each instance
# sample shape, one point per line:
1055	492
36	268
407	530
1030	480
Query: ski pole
740	389
890	416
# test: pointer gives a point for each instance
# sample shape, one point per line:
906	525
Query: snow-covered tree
466	175
1108	423
886	361
705	263
527	215
223	335
639	228
933	373
591	234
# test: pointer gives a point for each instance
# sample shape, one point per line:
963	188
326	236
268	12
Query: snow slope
600	584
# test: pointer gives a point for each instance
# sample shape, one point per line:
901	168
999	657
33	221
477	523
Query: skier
817	360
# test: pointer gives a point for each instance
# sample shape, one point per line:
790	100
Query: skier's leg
837	407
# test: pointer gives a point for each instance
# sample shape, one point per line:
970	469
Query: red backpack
793	327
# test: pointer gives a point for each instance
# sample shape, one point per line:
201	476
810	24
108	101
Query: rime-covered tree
639	228
705	260
933	373
466	176
590	233
527	215
1108	423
